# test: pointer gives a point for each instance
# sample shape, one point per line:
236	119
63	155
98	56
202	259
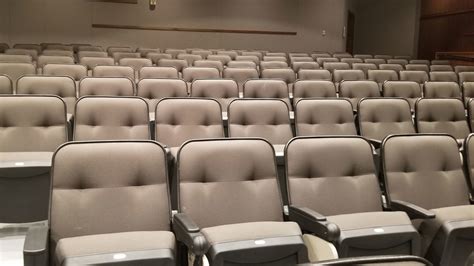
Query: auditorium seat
106	86
466	77
251	58
335	196
15	70
347	75
3	47
318	116
341	56
155	57
6	86
90	48
313	89
384	260
240	75
402	62
279	54
297	54
129	174
135	63
259	55
11	58
331	66
32	128
384	57
470	118
446	76
417	67
111	118
364	67
220	57
296	66
273	64
144	51
179	64
158	72
47	59
203	53
395	67
441	62
92	62
117	49
231	54
441	116
175	52
57	46
420	62
301	59
442	89
244	168
285	74
467	91
363	56
441	68
30	52
419	77
322	60
58	53
433	191
268	58
190	58
461	69
380	117
113	71
222	90
409	90
376	61
314	74
76	72
120	55
28	46
351	61
267	88
242	64
155	89
191	74
356	90
210	63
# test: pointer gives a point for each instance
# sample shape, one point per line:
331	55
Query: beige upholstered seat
444	76
240	75
15	70
441	89
82	54
461	69
331	66
106	86
381	76
356	90
376	61
396	67
158	72
409	90
10	58
365	67
155	57
417	67
153	90
441	68
313	89
222	90
191	74
351	61
242	64
285	74
76	72
6	86
117	56
420	62
402	62
175	52
190	58
92	62
179	64
314	74
210	63
113	72
267	88
296	66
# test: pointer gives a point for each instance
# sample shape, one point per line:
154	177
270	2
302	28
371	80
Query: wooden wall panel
446	26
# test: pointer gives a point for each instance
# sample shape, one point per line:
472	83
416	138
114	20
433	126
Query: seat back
135	63
144	51
441	116
461	69
243	168
420	62
58	53
62	86
11	58
331	66
313	89
352	61
425	170
220	57
440	62
384	57
417	67
242	64
210	63
231	54
92	62
158	72
267	88
322	60
28	46
409	90
190	58
381	76
31	52
446	76
314	74
402	62
191	74
111	118
275	59
396	67
178	120
441	68
76	72
91	179
466	77
32	123
441	89
285	74
179	64
222	90
82	54
15	70
175	52
356	90
248	58
153	90
240	75
119	55
156	57
380	117
6	85
296	66
90	48
365	67
106	86
263	118
350	74
113	72
324	117
419	77
375	61
326	173
363	56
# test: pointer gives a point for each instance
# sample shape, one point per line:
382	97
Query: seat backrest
222	90
352	61
92	62
409	90
243	168
280	54
314	74
365	67
106	86
32	123
111	118
12	58
31	52
301	59
275	59
264	118
254	53
440	63
425	170
267	88
363	56
28	46
113	72
324	117
179	64
375	61
406	57
313	89
420	62
460	69
273	64
441	116
231	54
90	48
49	59
15	70
155	57
58	53
210	63
135	63
190	58
419	77
76	72
384	57
417	67
144	51
466	77
220	57
62	86
349	74
444	76
6	85
441	89
249	58
119	55
331	66
203	53
402	62
240	75
356	90
442	68
325	174
322	60
191	74
242	64
467	91
3	47
90	179
380	117
158	72
296	66
396	67
58	46
178	120
285	74
153	90
175	52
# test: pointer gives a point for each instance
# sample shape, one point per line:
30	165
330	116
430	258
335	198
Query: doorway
350	32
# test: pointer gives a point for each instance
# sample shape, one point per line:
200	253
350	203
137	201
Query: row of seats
230	202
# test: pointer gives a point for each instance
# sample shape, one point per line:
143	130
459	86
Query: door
350	32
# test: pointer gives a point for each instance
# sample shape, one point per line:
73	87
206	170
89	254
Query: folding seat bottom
376	233
153	246
256	242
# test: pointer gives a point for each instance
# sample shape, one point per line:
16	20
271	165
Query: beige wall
69	21
386	26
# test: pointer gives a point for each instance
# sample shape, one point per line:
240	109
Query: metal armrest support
413	211
376	143
35	250
314	222
189	233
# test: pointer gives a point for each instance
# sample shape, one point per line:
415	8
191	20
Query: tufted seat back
285	74
15	70
153	90
222	90
106	86
356	90
409	90
113	72
313	89
6	86
441	89
191	74
240	75
267	88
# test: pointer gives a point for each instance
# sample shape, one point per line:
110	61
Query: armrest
376	143
35	249
189	233
314	222
413	211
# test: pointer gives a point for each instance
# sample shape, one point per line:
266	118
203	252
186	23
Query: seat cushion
83	246
250	231
430	227
364	220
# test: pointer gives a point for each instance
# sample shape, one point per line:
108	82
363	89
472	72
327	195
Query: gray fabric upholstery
10	58
274	59
190	58
313	89
356	90
395	67
322	60
30	52
64	87
175	52
314	74
15	70
296	66
119	49
363	56
191	74
441	89
440	62
240	75
210	63
441	68
324	174
153	90
365	67
354	221
76	72
120	55
419	77
380	76
228	181
349	74
417	67
470	112
331	66
242	64
222	90
384	57
402	62
267	88
113	72
158	72
223	58
285	74
6	85
180	119
49	59
352	61
179	64
376	61
466	77
248	58
106	86
380	117
461	69
156	57
445	76
324	117
409	90
231	54
82	54
420	62
92	62
135	63
441	116
32	123
264	118
203	53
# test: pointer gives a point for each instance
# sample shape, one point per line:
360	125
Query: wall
69	21
446	26
386	27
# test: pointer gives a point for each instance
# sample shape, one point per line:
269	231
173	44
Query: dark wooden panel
131	27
